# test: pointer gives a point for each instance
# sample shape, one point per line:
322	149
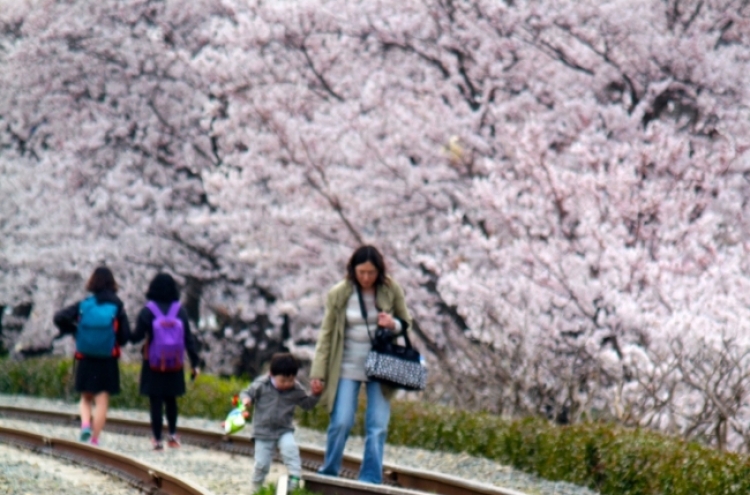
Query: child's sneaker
157	444
294	483
85	434
173	441
95	442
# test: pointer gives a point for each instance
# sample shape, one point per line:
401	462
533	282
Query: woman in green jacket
339	364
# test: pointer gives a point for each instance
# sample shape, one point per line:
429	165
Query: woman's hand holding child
316	386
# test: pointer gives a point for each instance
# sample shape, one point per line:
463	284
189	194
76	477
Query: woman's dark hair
101	280
363	254
163	288
284	364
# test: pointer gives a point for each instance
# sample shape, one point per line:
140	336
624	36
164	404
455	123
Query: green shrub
208	397
51	378
603	457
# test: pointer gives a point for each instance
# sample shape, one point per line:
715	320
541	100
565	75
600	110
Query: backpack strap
174	309
85	304
155	309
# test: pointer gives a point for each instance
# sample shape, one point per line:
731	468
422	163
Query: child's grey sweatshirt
273	409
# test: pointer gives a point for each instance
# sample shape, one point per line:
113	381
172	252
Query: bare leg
100	413
85	408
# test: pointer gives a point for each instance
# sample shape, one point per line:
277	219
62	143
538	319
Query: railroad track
397	479
142	476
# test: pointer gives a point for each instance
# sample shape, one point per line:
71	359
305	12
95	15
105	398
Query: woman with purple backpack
164	325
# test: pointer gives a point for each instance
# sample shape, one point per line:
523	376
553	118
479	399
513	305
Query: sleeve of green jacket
400	310
323	347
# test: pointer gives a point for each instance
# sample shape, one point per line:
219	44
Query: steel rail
394	476
140	475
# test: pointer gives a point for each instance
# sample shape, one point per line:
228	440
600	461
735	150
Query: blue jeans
377	415
264	454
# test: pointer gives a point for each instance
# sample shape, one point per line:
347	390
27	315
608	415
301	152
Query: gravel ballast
22	473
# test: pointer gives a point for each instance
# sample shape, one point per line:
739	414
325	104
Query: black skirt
169	384
94	376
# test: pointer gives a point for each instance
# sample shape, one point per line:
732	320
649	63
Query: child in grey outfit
274	397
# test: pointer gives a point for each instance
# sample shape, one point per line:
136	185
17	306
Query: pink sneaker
94	441
173	441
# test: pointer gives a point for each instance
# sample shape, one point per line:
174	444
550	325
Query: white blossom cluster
561	187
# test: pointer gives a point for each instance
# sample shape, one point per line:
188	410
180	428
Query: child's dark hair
284	364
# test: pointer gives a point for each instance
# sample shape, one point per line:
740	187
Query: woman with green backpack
164	325
100	327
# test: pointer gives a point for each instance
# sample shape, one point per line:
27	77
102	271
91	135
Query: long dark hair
163	288
101	280
363	254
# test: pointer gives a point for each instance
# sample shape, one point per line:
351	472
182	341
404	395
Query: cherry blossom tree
561	187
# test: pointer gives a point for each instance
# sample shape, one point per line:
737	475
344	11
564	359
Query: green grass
270	489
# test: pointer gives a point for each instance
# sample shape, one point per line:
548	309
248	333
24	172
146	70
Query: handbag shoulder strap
406	338
363	309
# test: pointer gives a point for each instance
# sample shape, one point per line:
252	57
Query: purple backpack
166	350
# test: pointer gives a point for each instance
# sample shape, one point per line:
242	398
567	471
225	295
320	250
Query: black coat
169	384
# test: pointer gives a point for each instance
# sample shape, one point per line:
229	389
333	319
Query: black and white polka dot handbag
395	365
399	367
